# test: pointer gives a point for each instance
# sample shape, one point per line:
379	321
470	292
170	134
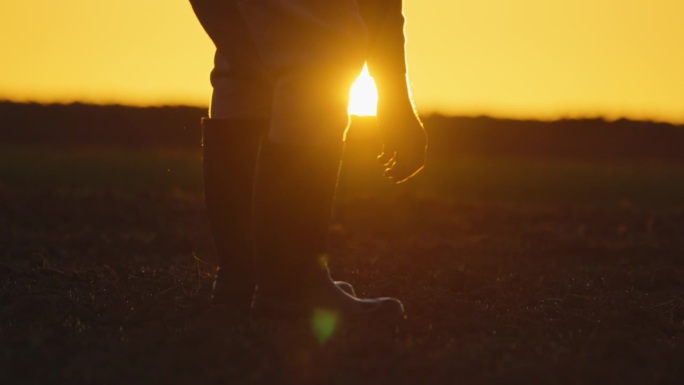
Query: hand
404	145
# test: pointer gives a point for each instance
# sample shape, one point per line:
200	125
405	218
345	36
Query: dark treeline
94	125
571	138
179	127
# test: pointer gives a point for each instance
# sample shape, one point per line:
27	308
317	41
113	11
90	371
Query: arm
405	141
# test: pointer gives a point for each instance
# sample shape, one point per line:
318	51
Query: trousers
292	61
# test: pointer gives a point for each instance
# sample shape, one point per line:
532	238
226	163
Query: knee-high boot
230	148
293	197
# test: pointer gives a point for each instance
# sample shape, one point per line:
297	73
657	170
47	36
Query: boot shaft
293	199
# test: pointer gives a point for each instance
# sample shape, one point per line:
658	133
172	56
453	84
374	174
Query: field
512	269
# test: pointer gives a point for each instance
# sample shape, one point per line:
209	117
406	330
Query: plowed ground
511	271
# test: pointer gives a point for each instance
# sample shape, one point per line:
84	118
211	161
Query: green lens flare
323	324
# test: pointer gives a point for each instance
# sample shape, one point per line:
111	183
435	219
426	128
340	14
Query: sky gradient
521	59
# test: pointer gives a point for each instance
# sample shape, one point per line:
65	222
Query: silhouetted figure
273	143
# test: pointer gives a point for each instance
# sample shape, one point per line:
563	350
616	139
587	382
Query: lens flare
323	324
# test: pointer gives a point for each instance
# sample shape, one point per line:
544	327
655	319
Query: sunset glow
363	98
523	59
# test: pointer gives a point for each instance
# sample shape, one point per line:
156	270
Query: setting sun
363	98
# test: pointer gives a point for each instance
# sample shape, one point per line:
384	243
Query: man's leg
240	115
294	193
313	50
240	110
230	149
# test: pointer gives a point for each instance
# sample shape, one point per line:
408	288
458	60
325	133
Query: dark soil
526	252
104	287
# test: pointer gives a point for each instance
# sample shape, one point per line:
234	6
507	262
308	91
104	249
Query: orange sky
523	58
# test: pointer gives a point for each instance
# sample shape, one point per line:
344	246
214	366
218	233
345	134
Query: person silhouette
273	143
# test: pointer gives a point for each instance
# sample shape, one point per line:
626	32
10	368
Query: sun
363	98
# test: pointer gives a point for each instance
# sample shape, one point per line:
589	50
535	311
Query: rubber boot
230	148
293	197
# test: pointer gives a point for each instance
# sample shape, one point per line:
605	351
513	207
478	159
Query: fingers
386	157
404	150
400	167
400	172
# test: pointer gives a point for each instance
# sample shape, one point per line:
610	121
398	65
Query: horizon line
426	115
